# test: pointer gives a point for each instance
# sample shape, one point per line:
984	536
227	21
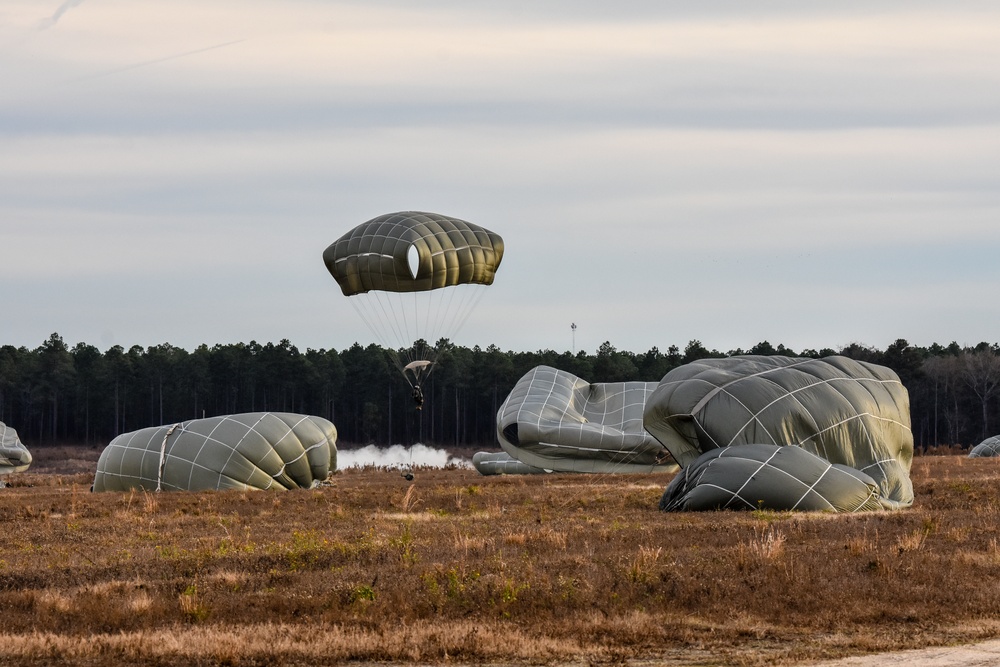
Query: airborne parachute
414	278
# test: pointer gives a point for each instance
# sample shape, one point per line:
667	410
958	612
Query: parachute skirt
751	477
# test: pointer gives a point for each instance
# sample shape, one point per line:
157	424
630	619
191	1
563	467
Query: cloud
651	168
62	9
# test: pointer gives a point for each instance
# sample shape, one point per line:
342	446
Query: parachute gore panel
14	456
255	450
750	477
844	411
377	254
556	421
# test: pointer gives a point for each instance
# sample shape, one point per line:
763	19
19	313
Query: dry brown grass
458	568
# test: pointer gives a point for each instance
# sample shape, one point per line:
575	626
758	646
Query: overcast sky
811	174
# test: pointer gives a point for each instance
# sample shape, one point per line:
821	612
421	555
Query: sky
810	174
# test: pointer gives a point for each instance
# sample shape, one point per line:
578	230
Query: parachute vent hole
413	260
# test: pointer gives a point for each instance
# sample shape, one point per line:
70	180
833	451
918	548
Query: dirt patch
983	654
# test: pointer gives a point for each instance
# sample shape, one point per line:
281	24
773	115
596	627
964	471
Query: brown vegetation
455	567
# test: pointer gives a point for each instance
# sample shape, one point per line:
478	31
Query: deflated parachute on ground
750	477
14	456
502	463
988	447
557	421
255	450
414	278
845	411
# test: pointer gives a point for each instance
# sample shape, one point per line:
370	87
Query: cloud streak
155	61
62	9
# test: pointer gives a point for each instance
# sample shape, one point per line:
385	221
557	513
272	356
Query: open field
454	567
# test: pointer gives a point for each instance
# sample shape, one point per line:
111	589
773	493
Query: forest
77	394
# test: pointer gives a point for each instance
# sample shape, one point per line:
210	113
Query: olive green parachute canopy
254	450
502	463
988	447
847	412
14	456
414	279
750	477
413	251
557	421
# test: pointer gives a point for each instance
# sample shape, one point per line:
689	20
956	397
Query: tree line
61	394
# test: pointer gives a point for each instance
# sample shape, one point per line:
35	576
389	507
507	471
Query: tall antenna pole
573	329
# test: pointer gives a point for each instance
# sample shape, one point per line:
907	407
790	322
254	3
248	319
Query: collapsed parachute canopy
14	456
502	463
750	477
988	447
255	450
557	421
412	251
844	411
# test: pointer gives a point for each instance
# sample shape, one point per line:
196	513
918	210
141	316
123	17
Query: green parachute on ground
502	463
846	412
14	456
987	448
751	477
254	450
555	421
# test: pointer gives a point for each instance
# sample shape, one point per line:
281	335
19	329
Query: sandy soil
985	654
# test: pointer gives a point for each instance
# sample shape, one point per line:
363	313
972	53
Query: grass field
454	567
